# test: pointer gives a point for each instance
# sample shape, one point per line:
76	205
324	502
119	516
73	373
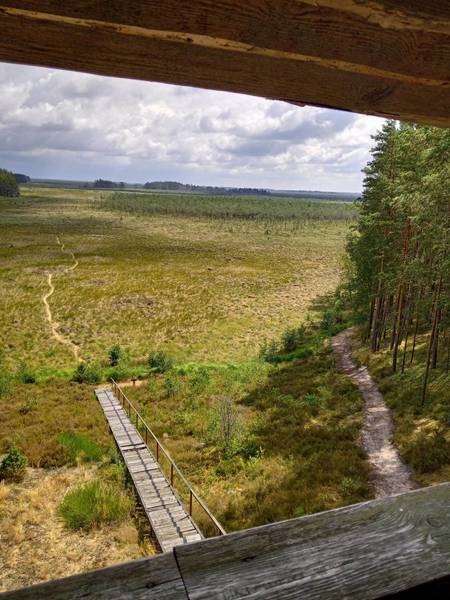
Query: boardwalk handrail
126	403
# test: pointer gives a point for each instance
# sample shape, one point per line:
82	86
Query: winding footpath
48	312
390	474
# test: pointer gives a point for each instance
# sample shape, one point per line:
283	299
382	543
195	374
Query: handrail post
157	451
171	473
190	503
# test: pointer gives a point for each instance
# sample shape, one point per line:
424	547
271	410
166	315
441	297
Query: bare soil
390	474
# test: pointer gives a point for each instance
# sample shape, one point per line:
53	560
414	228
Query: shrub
268	351
115	355
93	504
88	373
25	374
292	338
160	362
8	184
12	467
172	385
80	447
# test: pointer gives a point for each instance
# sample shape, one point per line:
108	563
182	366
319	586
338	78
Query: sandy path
390	474
48	312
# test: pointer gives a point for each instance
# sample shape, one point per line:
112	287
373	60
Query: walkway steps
169	520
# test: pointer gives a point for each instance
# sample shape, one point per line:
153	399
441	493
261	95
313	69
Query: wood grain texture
359	552
295	51
394	547
155	578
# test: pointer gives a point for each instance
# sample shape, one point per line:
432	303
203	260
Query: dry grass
36	547
54	407
196	287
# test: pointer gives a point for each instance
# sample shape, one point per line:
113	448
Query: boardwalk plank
168	518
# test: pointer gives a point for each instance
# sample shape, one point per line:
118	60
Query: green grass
296	445
80	447
198	287
94	504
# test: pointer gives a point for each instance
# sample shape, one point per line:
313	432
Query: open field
196	286
84	270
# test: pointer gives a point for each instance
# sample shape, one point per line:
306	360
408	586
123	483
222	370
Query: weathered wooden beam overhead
387	58
386	547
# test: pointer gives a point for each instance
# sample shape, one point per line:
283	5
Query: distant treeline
203	189
229	207
399	267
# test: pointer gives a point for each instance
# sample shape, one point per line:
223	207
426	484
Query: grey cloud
72	125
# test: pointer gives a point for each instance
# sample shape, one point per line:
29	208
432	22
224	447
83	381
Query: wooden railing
165	461
396	547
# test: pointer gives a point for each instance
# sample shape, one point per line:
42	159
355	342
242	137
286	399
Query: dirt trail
48	312
390	474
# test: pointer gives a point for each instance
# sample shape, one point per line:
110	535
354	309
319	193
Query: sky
66	125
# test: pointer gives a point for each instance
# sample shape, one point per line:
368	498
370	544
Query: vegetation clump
160	361
88	373
8	184
13	465
115	355
80	447
93	504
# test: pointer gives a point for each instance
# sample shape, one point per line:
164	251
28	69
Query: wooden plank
167	517
389	59
360	552
155	578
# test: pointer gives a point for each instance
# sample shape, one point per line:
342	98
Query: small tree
8	184
12	467
115	355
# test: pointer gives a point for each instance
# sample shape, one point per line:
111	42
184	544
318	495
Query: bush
172	385
12	467
25	374
115	355
80	447
8	184
88	373
268	351
292	338
93	504
160	362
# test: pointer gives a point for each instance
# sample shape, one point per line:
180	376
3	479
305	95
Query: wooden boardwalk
169	520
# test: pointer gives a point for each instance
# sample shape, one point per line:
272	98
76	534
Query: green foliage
25	373
265	210
115	355
88	373
13	465
292	339
8	184
160	362
93	504
172	385
80	447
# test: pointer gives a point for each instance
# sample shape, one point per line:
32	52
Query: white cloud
72	125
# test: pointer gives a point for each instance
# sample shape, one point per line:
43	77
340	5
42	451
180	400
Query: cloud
71	125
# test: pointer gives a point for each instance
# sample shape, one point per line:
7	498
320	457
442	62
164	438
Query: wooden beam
390	59
384	547
155	578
